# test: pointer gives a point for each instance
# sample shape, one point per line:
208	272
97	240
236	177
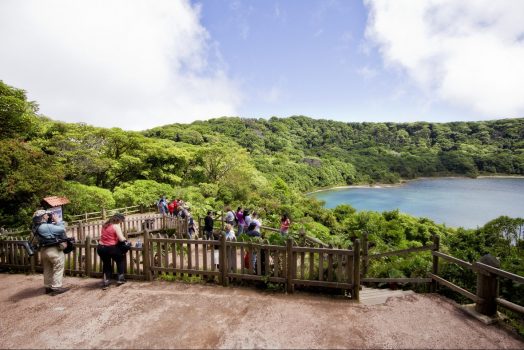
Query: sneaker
105	284
121	280
58	290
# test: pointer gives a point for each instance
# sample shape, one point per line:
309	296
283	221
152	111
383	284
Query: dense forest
266	165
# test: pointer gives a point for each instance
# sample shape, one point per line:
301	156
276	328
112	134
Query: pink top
109	236
284	225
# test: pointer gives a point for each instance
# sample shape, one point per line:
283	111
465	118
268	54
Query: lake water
452	201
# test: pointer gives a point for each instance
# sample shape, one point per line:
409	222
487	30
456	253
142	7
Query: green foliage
87	199
141	192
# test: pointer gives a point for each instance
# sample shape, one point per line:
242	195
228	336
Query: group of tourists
174	208
242	221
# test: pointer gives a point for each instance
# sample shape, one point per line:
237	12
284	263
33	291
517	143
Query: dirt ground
178	315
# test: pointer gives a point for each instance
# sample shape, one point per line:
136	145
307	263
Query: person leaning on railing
49	232
111	247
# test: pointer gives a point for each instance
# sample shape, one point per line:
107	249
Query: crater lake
456	202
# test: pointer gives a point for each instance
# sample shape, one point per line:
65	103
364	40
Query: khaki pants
53	260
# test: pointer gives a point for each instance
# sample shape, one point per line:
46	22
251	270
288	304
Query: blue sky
137	64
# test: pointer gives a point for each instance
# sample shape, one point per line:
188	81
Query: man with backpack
51	238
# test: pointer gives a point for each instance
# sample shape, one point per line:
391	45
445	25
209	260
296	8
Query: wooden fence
291	265
222	260
106	213
486	297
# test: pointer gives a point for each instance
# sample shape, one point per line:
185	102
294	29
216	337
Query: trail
178	315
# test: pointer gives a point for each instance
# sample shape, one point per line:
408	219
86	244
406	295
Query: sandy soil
177	315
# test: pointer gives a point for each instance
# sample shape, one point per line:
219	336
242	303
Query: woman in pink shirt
284	225
109	250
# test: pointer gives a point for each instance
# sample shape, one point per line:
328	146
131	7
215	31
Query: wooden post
104	213
85	216
365	258
222	261
146	253
356	270
164	222
81	233
487	288
302	235
87	267
289	277
436	247
32	261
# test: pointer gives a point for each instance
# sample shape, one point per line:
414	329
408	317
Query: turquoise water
452	201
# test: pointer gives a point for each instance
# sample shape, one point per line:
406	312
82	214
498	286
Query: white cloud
467	52
367	73
132	64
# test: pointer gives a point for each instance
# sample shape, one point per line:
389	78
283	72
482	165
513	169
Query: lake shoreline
405	181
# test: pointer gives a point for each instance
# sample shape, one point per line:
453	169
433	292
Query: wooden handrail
456	288
510	305
499	272
453	259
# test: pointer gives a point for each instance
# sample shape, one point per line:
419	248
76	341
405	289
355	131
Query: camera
29	248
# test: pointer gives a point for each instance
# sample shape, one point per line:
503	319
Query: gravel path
177	315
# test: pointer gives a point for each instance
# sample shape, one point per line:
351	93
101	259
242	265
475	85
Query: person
162	205
284	225
208	225
171	208
190	223
256	220
230	233
230	216
109	250
251	230
240	221
247	220
51	252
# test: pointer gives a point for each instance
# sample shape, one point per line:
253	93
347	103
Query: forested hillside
264	165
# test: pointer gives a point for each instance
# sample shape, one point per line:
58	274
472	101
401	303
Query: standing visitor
190	223
230	233
284	225
208	225
111	248
171	208
247	220
162	205
240	221
256	220
52	253
230	216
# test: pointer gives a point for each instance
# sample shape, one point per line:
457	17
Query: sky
138	64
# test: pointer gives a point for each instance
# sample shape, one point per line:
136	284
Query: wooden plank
456	288
462	263
320	266
401	252
302	263
197	257
190	272
311	265
509	305
330	268
321	250
323	284
499	272
396	280
165	254
173	254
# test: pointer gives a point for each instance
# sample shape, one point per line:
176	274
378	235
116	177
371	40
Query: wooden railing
209	259
366	257
106	213
486	297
